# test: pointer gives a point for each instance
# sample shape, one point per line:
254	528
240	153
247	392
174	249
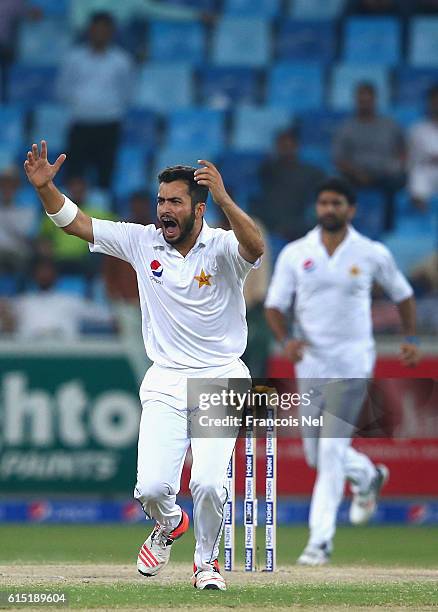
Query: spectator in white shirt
423	154
95	83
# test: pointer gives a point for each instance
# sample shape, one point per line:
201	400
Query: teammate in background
329	273
190	280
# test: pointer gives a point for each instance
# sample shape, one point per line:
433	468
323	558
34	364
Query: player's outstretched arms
41	174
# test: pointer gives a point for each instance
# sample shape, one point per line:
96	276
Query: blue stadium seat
173	41
170	156
317	156
410	249
8	285
12	129
140	128
316	9
424	42
372	40
72	284
408	218
240	169
297	87
317	128
7	151
52	8
255	127
252	8
208	6
223	86
405	115
241	41
51	123
28	84
306	41
164	86
43	42
131	171
345	78
188	128
369	219
413	84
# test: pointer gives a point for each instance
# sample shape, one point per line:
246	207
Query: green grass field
375	567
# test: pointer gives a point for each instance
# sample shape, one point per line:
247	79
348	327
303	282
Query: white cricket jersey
333	293
192	307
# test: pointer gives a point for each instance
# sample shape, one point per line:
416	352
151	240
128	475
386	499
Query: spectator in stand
17	224
11	12
369	150
121	288
288	186
71	254
423	154
45	313
95	82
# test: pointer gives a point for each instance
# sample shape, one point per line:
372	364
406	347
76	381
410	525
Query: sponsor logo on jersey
309	265
157	268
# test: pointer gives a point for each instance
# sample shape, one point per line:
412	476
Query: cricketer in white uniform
190	279
328	276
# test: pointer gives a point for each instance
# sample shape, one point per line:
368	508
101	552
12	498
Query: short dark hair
198	193
338	185
104	16
367	85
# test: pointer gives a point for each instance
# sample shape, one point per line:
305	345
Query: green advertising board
68	421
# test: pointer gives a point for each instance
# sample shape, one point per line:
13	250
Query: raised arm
41	174
248	235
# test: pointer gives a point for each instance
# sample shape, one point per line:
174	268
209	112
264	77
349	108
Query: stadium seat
239	170
405	116
306	41
72	284
187	128
208	6
164	86
369	219
43	42
28	84
131	171
140	128
409	250
317	128
315	9
170	41
241	41
170	156
252	8
297	87
345	78
423	48
255	127
7	151
408	218
413	83
12	130
8	285
317	156
224	86
52	8
51	123
372	40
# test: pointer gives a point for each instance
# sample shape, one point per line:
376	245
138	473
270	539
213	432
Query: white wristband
66	214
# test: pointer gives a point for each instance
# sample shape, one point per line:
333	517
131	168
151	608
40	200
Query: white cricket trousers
162	446
329	448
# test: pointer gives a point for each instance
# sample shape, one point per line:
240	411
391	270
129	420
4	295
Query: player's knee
330	452
151	490
205	488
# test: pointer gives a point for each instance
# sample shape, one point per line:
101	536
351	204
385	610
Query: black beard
332	226
185	230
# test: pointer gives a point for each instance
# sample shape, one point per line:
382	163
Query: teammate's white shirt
188	322
333	293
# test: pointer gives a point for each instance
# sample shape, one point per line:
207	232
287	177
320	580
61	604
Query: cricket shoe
154	555
315	555
364	505
210	579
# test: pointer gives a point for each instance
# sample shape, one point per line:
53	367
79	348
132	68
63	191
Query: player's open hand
294	350
37	167
210	177
409	354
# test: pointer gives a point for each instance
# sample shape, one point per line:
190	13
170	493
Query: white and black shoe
154	555
209	579
364	505
315	555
